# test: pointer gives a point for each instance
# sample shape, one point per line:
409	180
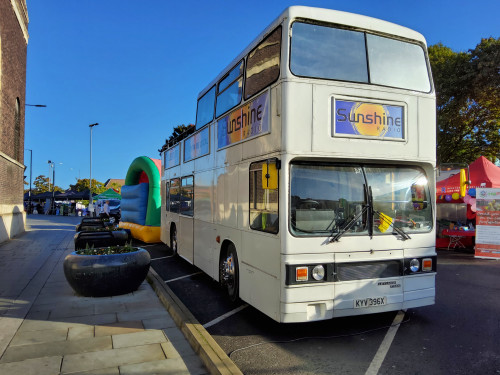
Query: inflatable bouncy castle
141	200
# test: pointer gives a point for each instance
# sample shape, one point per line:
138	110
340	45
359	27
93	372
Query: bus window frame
242	64
365	32
245	98
251	203
213	87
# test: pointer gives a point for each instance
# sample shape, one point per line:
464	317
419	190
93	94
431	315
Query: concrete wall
11	224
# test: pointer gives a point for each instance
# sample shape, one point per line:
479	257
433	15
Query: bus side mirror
269	176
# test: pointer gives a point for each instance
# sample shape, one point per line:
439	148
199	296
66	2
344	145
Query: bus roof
328	16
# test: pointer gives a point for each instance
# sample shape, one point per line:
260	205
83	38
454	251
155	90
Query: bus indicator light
427	264
301	273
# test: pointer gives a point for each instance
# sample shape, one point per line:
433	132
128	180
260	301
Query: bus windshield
338	54
324	198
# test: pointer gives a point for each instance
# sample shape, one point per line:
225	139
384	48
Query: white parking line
182	277
226	315
169	256
385	345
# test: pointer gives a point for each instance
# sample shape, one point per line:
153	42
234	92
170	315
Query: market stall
457	211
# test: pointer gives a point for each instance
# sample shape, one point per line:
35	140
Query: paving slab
159	323
112	358
119	328
36	366
138	338
37	337
177	366
57	348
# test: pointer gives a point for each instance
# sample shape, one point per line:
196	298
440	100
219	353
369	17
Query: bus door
186	211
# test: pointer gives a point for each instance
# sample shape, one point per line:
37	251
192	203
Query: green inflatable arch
146	165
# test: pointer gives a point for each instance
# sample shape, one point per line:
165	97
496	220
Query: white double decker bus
307	189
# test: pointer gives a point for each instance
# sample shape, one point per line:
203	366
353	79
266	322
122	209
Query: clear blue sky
136	67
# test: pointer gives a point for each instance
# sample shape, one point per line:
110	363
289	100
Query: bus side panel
296	110
204	229
259	272
206	248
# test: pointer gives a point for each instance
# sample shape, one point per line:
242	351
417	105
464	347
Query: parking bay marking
386	344
224	316
182	277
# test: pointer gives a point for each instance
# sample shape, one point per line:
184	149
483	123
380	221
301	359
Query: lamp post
91	203
53	166
31	175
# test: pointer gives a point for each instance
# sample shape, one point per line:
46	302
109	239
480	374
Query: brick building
13	48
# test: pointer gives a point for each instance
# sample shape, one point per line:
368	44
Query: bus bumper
415	291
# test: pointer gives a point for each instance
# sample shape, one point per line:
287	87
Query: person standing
105	210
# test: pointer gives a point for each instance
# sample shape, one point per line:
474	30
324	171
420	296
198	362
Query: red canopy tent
482	173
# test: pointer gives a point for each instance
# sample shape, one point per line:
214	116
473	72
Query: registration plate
370	302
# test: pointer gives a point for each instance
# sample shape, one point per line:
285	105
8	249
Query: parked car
114	209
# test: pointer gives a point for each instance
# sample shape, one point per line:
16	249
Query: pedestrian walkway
45	328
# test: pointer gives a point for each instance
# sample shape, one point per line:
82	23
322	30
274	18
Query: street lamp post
91	203
53	166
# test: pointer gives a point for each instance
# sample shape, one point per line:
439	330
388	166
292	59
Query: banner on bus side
244	123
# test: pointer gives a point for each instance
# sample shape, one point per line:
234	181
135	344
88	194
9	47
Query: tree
83	184
42	185
178	134
468	101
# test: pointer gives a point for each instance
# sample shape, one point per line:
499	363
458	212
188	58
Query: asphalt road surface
460	334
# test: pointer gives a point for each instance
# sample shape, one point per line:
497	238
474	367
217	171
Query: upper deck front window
346	55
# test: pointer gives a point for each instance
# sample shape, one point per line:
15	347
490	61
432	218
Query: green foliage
179	133
41	184
127	248
83	184
468	101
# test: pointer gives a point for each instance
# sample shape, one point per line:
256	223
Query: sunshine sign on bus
244	123
368	120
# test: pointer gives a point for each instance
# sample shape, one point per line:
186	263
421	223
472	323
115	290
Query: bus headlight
318	272
414	265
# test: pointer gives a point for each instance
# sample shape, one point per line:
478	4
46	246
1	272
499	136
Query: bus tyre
173	240
229	273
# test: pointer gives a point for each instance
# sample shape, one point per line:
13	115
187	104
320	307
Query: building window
264	196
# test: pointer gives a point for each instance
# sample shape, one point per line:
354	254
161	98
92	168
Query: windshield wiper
399	231
370	211
349	224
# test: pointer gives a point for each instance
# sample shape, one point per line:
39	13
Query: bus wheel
173	240
229	273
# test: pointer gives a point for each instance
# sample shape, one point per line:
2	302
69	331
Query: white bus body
310	127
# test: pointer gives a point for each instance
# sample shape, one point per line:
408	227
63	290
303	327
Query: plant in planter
91	223
106	271
101	237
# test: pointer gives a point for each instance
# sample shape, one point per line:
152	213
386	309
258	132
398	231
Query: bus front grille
368	270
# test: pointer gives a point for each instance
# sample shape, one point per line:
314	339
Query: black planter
100	239
106	275
92	223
